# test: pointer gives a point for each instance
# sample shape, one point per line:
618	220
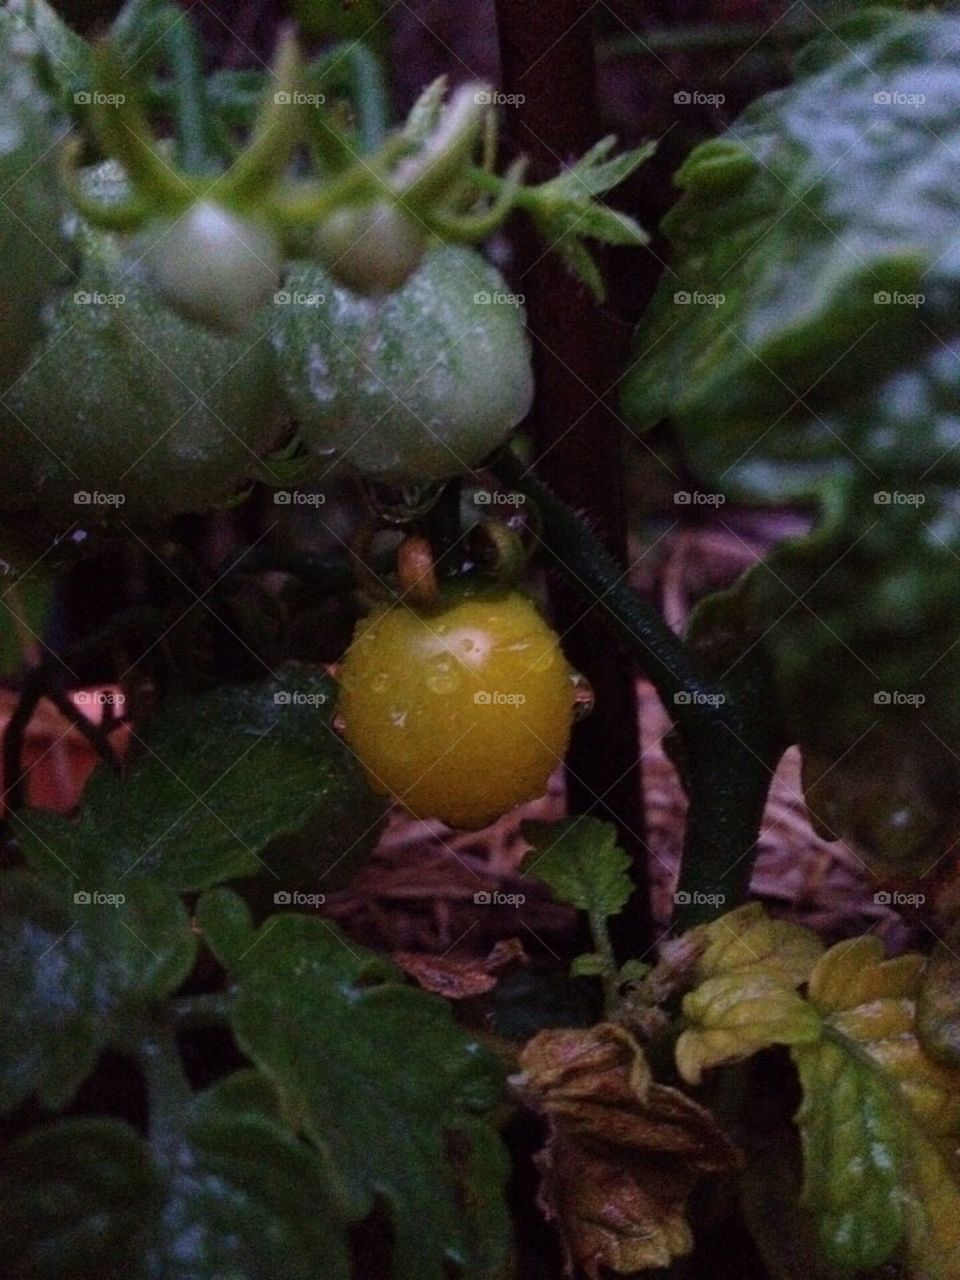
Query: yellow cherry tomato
460	712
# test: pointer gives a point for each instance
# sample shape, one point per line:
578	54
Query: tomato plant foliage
828	375
181	321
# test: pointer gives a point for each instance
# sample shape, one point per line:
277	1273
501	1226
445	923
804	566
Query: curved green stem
276	130
729	731
125	135
468	228
369	90
168	1092
191	109
603	945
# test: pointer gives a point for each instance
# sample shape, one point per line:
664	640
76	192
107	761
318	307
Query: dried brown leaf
462	977
623	1151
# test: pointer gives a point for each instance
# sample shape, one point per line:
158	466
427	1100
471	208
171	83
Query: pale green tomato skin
371	251
415	387
213	266
33	257
148	414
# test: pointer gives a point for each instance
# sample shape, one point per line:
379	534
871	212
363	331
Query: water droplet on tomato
442	676
339	723
546	660
583	696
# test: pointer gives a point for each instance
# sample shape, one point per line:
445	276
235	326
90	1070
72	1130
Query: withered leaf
623	1151
461	977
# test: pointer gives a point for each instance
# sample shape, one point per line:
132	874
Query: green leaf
23	614
581	863
878	1118
244	1092
856	625
68	56
565	212
75	974
83	1199
851	1130
376	1074
589	965
634	970
820	199
243	780
77	1200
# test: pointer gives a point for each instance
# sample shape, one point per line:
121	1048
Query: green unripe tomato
371	251
415	387
126	410
461	712
32	253
213	266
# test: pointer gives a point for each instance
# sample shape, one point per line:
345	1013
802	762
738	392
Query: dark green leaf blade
82	1200
244	780
811	240
76	966
378	1074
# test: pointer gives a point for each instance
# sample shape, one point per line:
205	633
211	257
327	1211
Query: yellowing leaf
938	1004
736	1014
623	1151
871	1001
875	1115
853	973
747	937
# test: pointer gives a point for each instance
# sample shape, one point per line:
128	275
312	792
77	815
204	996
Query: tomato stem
546	55
731	741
